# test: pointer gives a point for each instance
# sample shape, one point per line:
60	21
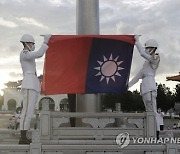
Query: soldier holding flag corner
30	84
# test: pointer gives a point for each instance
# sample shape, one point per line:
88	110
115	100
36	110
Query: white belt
30	73
144	76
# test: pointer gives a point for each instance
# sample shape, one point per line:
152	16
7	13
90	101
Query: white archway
11	104
51	103
64	105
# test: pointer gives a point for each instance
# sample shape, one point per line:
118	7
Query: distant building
13	99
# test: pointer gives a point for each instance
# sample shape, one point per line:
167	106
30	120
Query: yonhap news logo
123	140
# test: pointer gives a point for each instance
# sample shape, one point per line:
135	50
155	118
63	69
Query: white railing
95	133
38	148
95	126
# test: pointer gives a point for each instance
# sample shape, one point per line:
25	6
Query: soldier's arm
135	79
142	51
37	54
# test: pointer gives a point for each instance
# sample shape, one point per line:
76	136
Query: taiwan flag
87	64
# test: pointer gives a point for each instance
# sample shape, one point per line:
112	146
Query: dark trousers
157	132
157	135
161	127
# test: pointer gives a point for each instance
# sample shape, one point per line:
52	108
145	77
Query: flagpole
87	17
87	22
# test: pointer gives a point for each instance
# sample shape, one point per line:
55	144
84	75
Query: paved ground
6	138
4	120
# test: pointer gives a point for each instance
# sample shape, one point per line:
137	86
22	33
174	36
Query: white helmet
27	38
151	43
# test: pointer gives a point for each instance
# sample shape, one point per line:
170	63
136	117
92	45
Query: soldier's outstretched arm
141	49
37	54
138	76
40	52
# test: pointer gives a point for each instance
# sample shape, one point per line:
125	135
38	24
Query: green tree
165	98
130	101
138	103
177	93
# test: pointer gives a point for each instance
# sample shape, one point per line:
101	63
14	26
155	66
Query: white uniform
30	84
159	119
147	74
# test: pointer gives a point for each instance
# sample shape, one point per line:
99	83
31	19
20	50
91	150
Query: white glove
46	38
136	37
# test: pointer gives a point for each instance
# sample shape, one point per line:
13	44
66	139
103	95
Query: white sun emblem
109	68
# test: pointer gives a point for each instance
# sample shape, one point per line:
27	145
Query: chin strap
153	50
28	46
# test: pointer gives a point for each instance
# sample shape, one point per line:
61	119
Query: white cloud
56	2
9	60
7	23
158	19
147	4
31	21
152	19
15	75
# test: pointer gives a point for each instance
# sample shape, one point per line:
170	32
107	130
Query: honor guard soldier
30	84
160	121
147	73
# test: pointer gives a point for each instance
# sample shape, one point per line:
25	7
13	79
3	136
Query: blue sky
158	19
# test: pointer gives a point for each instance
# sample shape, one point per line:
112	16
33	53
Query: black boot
157	135
23	139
